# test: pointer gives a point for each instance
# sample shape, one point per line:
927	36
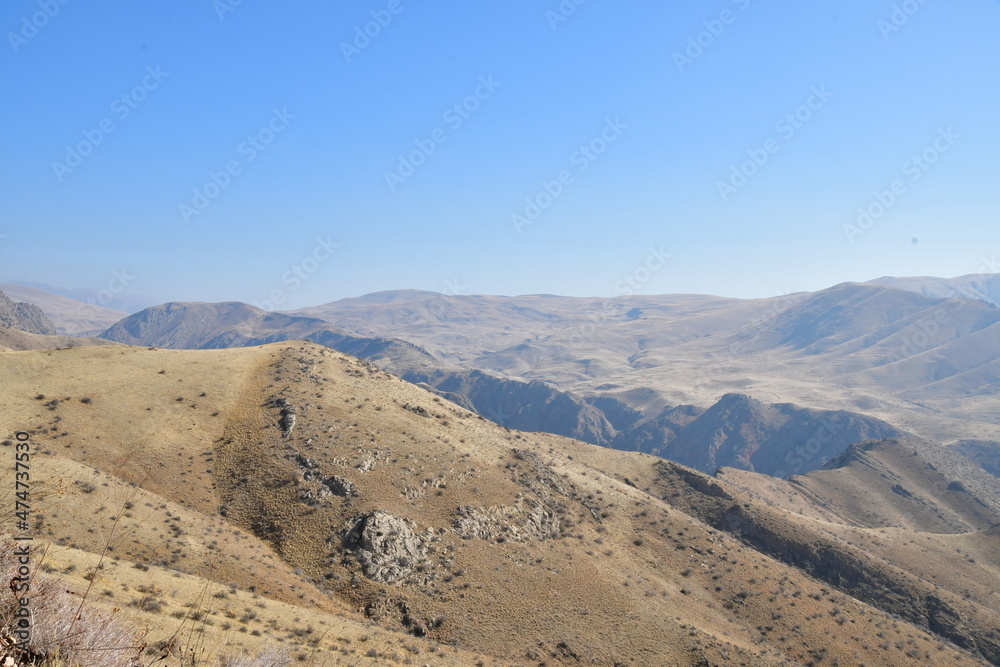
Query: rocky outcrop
509	523
287	415
386	546
24	317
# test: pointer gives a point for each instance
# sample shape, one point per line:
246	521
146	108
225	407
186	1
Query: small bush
95	639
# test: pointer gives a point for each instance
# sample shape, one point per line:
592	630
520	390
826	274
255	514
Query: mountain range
410	477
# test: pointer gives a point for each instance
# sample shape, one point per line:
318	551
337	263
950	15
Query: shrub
96	638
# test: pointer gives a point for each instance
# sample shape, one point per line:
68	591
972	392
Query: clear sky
220	150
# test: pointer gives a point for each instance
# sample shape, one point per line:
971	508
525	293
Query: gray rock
341	486
386	546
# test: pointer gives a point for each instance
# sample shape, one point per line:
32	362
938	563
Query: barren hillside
315	480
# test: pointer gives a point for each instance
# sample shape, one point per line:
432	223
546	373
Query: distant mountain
69	316
197	326
526	406
928	364
985	287
741	432
129	303
24	317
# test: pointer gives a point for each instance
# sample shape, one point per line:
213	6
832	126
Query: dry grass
624	576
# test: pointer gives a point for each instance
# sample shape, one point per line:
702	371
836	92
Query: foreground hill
321	484
903	524
69	316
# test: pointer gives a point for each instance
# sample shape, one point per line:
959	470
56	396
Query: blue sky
667	123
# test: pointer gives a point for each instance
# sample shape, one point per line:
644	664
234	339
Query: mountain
741	432
293	495
926	365
982	286
758	439
24	317
128	303
526	406
68	316
198	326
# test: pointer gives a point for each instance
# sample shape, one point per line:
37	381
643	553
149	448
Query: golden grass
213	488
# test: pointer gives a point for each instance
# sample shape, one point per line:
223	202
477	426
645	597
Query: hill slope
516	548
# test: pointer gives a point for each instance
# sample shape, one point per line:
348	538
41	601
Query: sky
291	154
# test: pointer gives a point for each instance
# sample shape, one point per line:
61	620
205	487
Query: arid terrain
220	500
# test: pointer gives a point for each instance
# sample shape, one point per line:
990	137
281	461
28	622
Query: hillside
121	301
902	524
324	485
741	432
983	453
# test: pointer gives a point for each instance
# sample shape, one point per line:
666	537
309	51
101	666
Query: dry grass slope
295	495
